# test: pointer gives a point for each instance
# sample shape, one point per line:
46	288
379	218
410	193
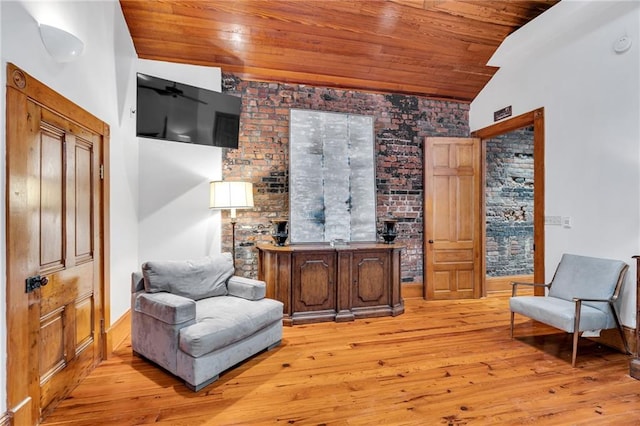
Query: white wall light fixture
61	45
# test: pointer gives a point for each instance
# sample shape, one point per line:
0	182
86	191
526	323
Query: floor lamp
231	195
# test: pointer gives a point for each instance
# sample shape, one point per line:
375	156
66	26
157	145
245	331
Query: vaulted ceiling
437	49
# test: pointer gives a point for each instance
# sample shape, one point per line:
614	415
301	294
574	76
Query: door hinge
101	171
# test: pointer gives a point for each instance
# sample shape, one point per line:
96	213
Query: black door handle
35	282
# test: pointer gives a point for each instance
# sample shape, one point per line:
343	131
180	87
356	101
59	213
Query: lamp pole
233	219
231	195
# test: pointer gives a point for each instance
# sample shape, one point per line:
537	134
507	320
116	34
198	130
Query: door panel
452	218
51	197
83	201
371	279
66	214
314	282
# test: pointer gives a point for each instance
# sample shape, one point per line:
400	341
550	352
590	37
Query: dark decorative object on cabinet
389	232
280	232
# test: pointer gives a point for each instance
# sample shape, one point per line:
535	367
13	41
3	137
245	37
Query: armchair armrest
166	307
137	282
580	299
246	288
515	284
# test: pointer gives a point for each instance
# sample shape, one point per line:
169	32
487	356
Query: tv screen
178	112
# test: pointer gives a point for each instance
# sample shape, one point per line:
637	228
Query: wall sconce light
232	196
61	45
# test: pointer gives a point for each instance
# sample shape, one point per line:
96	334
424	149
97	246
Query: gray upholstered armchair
195	319
580	298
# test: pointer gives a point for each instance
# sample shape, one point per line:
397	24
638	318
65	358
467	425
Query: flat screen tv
178	112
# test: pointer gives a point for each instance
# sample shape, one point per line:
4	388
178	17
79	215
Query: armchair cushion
195	279
222	321
246	288
166	307
560	313
586	278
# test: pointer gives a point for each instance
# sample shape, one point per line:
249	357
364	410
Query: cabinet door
314	281
370	278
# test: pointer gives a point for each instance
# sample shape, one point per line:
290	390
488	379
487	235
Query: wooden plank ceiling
437	49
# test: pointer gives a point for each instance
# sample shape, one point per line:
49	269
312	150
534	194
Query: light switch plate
553	220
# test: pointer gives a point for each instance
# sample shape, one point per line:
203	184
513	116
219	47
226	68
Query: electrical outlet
553	220
566	222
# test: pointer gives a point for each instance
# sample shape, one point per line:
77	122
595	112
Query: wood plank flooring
440	363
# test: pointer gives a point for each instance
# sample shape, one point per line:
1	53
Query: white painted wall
175	220
564	61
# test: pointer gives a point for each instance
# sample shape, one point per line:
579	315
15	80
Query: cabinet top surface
327	247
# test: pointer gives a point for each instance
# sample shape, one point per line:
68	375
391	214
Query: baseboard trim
118	333
503	284
5	419
634	368
20	414
493	285
412	291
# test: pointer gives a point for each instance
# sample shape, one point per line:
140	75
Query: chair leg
576	332
574	354
512	315
620	330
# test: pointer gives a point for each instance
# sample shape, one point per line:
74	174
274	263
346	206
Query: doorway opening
513	219
509	209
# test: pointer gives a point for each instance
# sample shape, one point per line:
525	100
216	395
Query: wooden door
55	258
452	231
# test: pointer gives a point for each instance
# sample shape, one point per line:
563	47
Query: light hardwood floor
442	362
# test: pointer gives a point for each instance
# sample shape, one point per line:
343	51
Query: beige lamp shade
230	195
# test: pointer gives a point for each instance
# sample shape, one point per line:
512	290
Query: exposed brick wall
509	204
401	124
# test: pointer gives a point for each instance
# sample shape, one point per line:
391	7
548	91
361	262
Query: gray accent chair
580	298
196	319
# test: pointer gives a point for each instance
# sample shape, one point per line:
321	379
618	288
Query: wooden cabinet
317	282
